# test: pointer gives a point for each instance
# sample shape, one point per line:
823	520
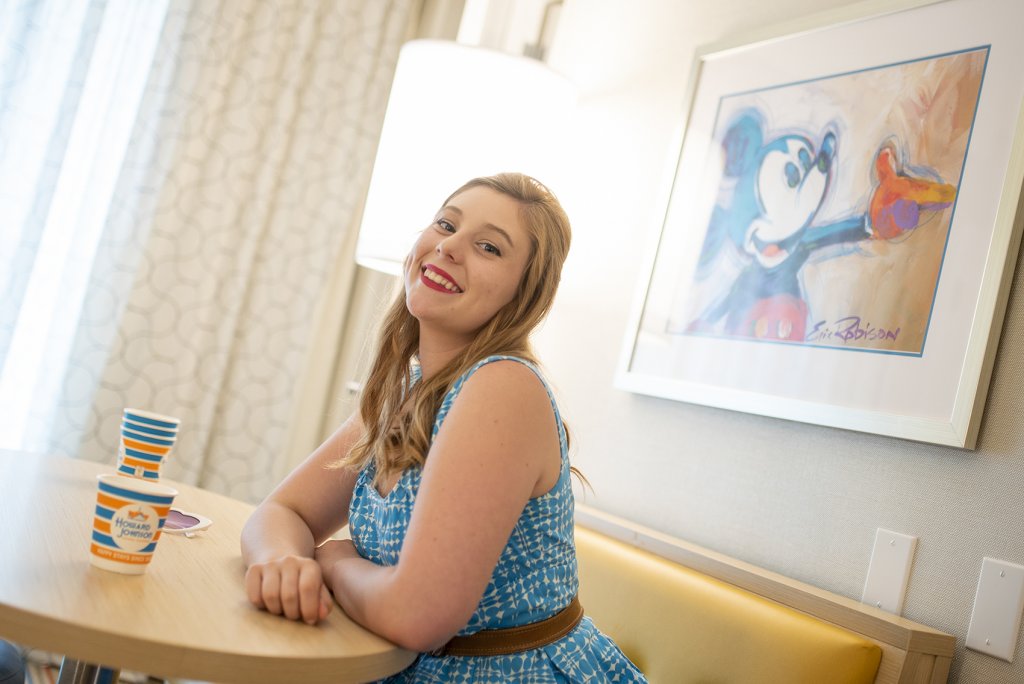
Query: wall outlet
889	570
998	604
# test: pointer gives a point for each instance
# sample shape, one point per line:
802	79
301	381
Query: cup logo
133	527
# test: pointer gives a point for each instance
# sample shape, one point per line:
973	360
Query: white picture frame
716	319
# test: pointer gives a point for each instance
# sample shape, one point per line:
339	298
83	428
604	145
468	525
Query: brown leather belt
492	642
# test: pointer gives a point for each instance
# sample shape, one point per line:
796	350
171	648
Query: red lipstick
438	279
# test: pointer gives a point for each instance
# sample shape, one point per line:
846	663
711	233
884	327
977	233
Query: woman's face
467	264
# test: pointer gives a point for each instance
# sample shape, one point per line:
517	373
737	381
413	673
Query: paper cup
149	418
130	515
146	440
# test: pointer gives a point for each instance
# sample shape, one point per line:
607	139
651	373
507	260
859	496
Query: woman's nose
448	247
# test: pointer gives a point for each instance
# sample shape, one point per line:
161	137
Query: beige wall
798	499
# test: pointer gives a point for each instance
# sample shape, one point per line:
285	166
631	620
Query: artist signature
849	329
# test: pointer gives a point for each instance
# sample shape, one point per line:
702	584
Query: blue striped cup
126	525
146	440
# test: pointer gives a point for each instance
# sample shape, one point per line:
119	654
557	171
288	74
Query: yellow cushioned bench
687	614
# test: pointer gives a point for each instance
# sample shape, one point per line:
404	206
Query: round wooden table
186	617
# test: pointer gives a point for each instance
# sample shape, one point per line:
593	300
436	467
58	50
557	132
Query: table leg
76	672
108	675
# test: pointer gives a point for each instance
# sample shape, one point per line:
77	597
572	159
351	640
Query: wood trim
917	669
891	665
941	673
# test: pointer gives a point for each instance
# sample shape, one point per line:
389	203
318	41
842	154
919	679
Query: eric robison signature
849	329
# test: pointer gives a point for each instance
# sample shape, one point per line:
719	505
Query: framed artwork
843	221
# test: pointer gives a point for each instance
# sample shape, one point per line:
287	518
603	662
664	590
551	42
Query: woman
454	477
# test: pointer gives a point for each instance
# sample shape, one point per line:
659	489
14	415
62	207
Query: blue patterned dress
535	578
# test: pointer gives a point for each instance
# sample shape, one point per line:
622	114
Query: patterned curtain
244	178
72	74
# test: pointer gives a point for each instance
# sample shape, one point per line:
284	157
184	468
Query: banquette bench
686	614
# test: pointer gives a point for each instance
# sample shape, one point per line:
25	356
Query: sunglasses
183	522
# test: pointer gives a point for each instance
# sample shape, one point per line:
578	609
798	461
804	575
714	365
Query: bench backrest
683	613
678	625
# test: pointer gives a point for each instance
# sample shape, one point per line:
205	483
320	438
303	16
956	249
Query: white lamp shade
455	112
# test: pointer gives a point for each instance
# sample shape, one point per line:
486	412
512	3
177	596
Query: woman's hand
280	536
292	586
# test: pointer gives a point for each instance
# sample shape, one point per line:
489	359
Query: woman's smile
438	279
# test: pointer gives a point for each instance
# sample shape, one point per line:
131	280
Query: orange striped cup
146	440
130	514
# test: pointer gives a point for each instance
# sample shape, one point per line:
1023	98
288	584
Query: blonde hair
398	418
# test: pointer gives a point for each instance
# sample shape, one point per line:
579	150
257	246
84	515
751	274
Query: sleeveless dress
535	578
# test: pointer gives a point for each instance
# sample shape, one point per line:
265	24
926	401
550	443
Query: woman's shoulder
505	361
508	390
498	383
502	373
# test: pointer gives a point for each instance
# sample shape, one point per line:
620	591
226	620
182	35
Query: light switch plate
998	604
889	570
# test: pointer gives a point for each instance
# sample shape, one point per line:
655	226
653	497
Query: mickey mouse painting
818	212
768	218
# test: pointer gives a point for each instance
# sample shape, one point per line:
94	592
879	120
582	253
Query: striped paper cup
149	418
130	515
146	440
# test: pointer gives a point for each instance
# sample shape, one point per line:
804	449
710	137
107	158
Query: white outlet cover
889	570
998	605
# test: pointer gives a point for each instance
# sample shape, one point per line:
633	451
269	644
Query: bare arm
497	448
279	539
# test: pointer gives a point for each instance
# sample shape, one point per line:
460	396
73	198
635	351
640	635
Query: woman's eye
490	249
445	225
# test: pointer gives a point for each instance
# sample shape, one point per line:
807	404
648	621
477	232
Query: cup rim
171	420
137	485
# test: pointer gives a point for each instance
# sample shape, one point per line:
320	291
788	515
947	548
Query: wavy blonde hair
397	416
